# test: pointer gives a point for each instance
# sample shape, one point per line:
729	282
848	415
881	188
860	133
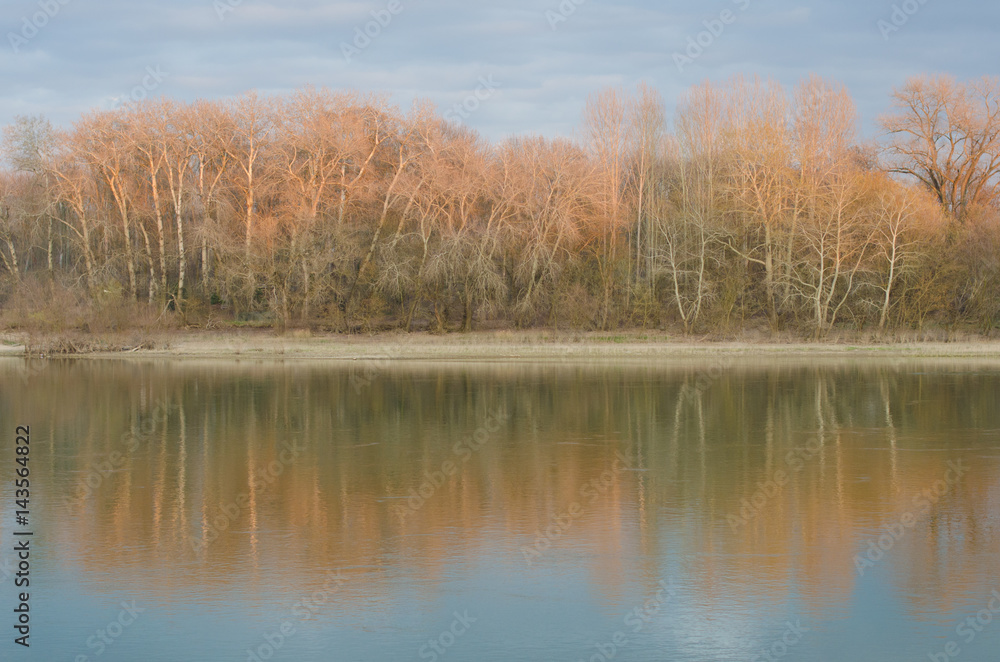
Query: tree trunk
48	251
149	260
181	260
160	236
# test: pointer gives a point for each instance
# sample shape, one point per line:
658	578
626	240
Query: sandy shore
493	346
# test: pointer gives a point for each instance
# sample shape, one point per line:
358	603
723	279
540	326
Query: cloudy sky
542	58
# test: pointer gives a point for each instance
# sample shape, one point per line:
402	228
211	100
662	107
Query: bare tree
607	127
252	125
902	217
177	144
212	149
691	227
29	145
104	143
13	216
75	187
760	174
335	208
648	118
146	135
946	134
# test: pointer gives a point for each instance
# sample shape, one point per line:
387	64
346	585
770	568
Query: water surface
688	510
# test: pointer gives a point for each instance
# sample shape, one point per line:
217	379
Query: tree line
749	206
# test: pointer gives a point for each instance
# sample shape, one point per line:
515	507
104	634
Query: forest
749	206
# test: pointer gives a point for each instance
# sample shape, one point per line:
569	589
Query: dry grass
76	343
48	318
478	346
41	318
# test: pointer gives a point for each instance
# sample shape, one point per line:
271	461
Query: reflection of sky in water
462	551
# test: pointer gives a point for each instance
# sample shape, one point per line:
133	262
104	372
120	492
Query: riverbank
499	345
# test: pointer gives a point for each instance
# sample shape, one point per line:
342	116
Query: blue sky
63	57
